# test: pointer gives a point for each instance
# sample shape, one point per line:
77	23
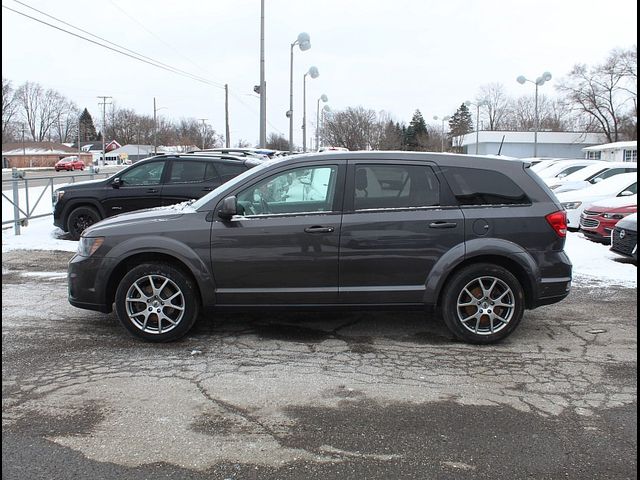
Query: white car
590	176
565	167
574	202
544	164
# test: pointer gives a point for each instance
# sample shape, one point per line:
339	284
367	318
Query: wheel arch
495	251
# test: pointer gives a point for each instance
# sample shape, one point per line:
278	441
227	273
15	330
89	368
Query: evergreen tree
461	122
416	134
87	128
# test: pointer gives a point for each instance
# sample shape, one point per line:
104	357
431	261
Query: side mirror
229	208
117	182
598	180
626	193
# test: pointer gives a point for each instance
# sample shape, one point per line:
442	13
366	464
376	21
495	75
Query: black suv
480	238
152	182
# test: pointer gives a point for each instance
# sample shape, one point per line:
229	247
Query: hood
616	203
82	185
149	215
630	222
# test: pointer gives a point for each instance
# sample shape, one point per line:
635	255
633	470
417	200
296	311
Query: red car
69	164
599	219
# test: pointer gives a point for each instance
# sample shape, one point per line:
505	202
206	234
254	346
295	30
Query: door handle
443	225
319	229
207	189
152	190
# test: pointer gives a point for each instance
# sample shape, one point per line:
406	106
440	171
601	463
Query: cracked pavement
310	395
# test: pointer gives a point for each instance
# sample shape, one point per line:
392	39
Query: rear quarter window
475	186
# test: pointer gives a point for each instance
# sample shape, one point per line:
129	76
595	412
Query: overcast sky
396	56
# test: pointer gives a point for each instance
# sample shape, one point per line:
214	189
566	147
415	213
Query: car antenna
501	143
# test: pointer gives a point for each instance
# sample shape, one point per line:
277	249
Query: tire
81	218
483	314
145	312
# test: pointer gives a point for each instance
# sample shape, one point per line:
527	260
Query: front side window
301	190
474	186
145	174
395	186
607	174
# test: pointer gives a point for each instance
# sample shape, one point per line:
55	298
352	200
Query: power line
110	42
136	56
132	18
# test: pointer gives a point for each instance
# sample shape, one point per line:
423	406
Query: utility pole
227	140
204	126
263	85
155	128
104	104
24	150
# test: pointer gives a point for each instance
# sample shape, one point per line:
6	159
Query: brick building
38	154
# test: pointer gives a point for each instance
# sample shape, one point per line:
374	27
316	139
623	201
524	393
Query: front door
283	247
139	187
395	228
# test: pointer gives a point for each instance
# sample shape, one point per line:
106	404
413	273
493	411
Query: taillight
558	221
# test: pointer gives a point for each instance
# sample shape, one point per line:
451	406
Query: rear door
189	178
398	222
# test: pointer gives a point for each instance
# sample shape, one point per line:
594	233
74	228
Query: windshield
234	181
585	173
612	185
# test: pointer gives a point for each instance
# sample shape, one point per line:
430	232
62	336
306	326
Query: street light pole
263	86
304	43
313	73
478	105
204	129
541	80
444	119
324	98
104	126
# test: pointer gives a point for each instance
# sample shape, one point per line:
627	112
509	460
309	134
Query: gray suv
481	239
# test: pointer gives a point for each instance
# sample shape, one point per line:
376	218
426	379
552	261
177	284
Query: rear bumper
554	283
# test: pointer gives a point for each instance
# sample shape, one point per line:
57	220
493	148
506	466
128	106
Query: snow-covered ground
593	263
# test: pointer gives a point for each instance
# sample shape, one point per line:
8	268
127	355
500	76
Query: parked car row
600	199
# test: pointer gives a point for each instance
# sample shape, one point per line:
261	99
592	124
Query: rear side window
228	171
474	186
189	171
395	186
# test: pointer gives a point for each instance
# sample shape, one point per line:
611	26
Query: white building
613	152
520	144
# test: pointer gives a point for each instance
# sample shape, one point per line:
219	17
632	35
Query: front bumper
87	280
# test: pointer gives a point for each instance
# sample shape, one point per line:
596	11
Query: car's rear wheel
483	303
157	302
80	219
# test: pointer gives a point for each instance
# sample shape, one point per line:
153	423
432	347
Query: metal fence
23	213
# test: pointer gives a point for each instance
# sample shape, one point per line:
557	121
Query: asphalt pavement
363	395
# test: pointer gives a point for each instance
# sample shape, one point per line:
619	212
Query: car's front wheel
483	303
81	218
157	302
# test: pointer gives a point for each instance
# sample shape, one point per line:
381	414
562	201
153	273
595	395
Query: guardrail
18	180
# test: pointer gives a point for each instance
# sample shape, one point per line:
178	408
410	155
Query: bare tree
242	143
67	115
606	92
277	142
352	128
9	108
38	109
496	102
